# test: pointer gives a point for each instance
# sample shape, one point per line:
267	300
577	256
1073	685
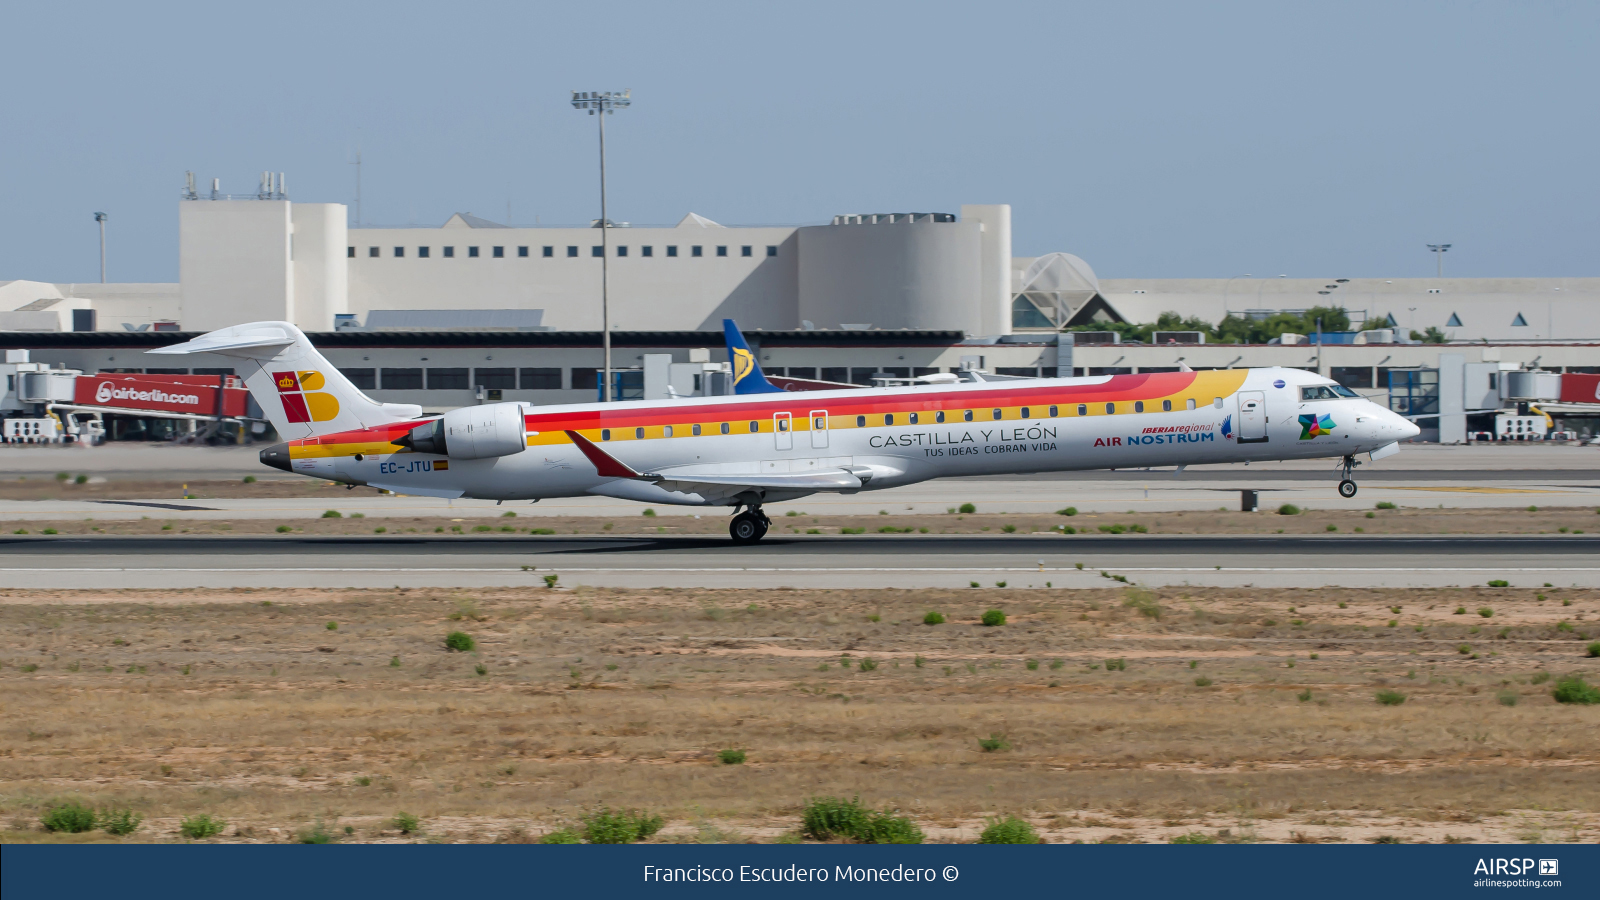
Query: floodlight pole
1439	250
101	218
602	103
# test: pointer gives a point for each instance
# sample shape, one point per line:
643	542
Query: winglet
607	465
747	377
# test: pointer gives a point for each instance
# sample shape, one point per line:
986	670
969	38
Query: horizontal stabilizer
229	340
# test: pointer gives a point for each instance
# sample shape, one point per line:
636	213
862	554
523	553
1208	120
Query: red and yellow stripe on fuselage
871	410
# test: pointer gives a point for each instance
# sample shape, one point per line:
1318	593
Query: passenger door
782	430
1252	417
819	428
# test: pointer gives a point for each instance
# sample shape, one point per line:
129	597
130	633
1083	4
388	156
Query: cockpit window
1343	391
1319	392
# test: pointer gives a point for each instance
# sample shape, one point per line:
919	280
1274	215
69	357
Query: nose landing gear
1347	486
749	526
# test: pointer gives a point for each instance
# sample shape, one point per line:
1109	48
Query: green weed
201	827
623	826
1009	830
1573	689
70	818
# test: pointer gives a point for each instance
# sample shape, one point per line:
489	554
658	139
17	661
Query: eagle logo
1313	425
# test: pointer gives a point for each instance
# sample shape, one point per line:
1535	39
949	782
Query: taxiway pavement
903	561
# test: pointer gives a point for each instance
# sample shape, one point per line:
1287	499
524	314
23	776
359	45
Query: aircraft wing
720	486
836	480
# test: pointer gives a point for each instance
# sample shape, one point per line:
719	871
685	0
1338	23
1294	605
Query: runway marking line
1023	568
1473	490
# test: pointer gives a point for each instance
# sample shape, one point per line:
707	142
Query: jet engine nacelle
472	432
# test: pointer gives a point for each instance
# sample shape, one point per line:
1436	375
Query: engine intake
471	432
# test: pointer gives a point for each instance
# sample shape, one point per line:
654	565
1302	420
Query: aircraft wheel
1347	488
746	528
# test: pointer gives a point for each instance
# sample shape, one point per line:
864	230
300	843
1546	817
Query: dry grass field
1242	714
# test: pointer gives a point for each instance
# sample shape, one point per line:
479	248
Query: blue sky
1153	139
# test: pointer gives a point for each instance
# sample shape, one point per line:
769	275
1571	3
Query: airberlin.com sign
131	393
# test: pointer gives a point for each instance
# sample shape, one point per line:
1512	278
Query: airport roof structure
141	340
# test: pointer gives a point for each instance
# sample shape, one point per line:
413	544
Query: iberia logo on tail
302	399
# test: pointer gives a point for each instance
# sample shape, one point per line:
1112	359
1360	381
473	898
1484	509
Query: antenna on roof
188	187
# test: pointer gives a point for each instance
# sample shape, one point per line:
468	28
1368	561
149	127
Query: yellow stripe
320	451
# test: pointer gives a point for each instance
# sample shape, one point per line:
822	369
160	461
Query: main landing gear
1347	487
749	526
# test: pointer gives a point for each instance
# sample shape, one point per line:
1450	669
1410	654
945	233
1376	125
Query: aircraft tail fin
302	393
747	376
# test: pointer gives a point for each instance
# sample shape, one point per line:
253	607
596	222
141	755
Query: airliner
765	445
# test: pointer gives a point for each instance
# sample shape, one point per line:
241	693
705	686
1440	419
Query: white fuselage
893	437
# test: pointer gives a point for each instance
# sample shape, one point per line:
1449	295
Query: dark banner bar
1099	871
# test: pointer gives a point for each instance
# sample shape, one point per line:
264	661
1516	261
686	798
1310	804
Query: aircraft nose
1398	426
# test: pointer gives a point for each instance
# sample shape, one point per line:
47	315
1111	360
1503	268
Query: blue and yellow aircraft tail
747	377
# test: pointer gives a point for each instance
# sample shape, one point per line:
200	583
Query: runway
903	561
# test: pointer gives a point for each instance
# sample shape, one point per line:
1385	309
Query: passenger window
939	416
888	419
783	424
755	427
1111	409
725	428
1083	409
913	418
1166	406
605	434
997	414
1217	403
1138	406
1025	411
638	434
819	423
667	431
696	430
1190	401
967	416
861	421
1052	412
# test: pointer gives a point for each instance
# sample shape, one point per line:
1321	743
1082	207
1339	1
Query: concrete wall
317	248
900	275
994	243
135	304
657	292
233	262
